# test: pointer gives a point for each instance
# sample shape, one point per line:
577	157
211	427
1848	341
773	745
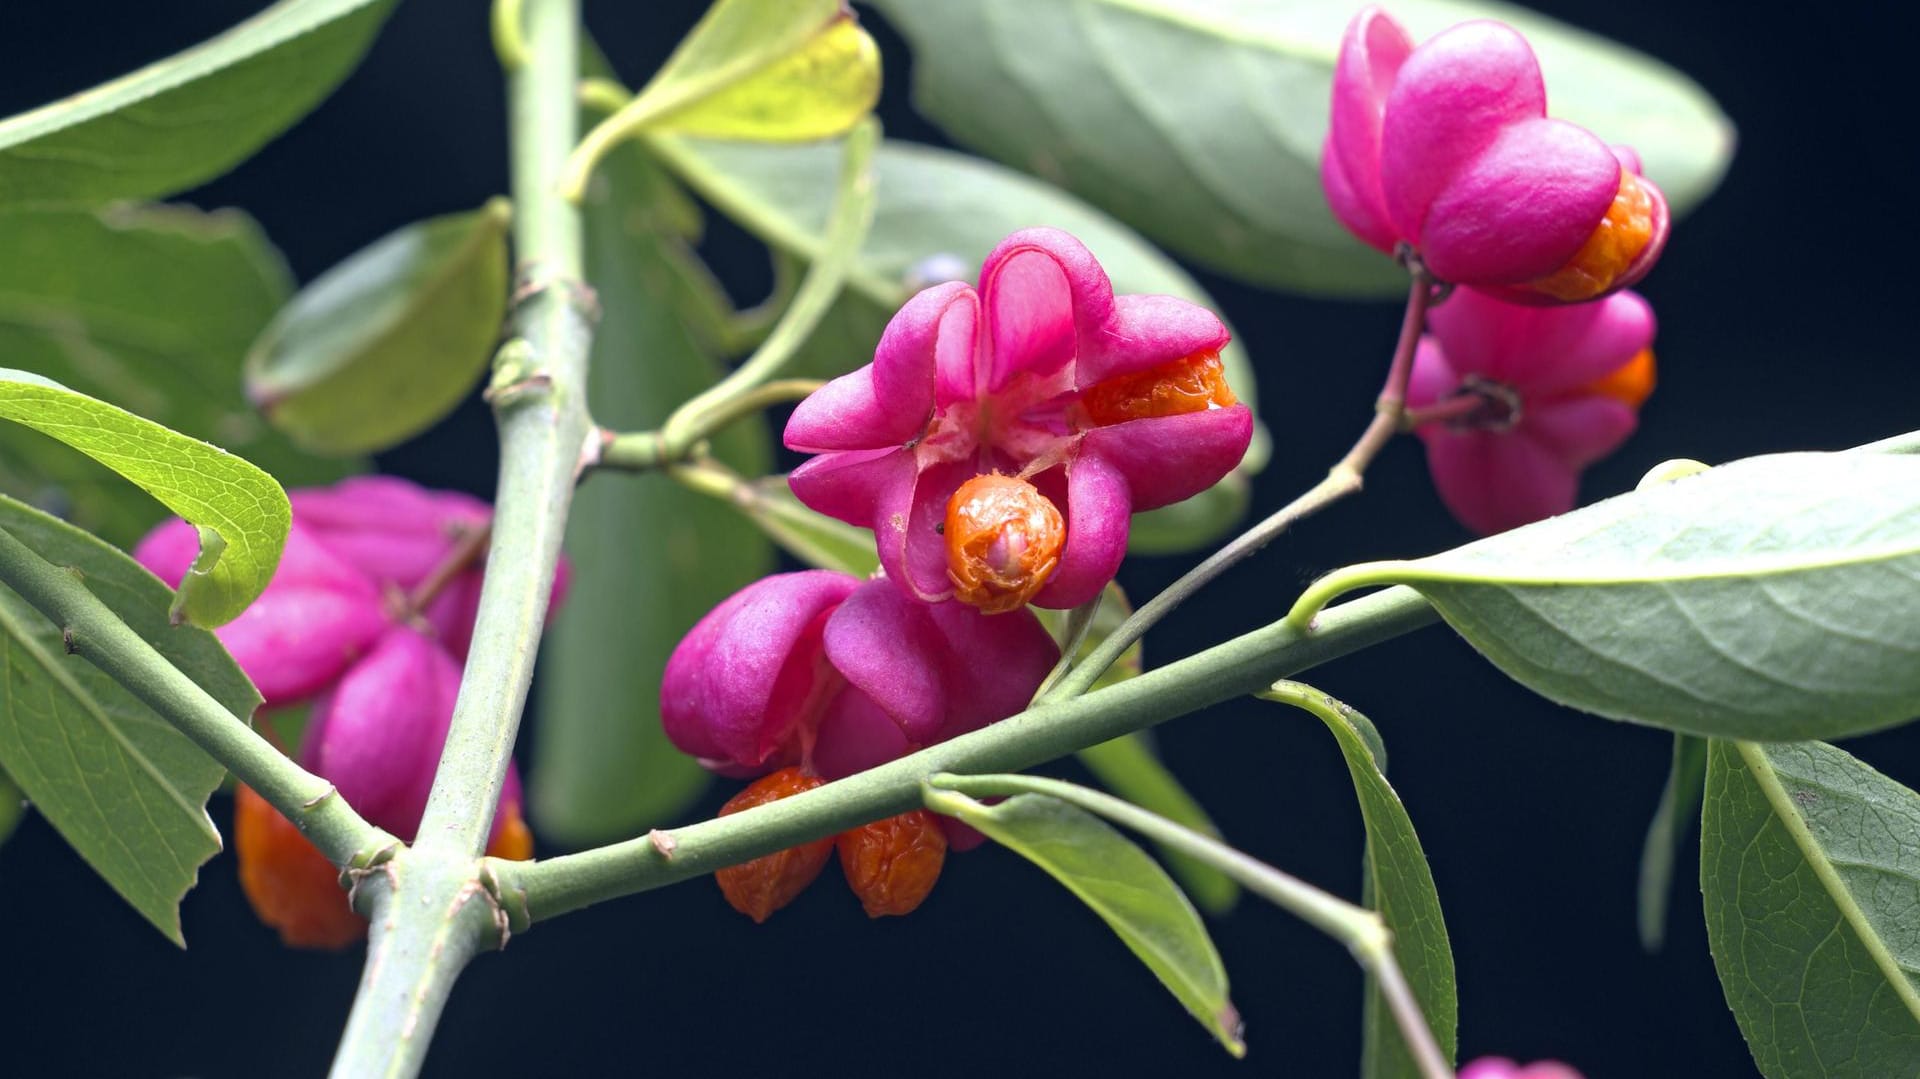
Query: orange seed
1610	248
1190	384
1630	383
1003	542
289	883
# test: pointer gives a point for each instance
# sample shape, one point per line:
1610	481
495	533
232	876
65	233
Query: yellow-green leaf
226	497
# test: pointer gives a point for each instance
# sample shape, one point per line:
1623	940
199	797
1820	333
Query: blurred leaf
649	556
1810	869
810	536
1686	777
382	346
13	805
242	514
188	118
118	782
1399	885
938	215
152	308
1201	121
1127	889
1733	602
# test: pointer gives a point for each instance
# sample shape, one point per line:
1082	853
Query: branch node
663	842
70	641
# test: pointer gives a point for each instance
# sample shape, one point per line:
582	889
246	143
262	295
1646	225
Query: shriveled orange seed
1630	383
1189	384
1003	542
289	883
1609	250
764	885
892	864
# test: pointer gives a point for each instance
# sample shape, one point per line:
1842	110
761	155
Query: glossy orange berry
1003	542
1190	384
290	884
1631	383
892	864
764	885
1612	247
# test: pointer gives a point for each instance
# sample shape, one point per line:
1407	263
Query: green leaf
1770	599
1399	885
188	118
385	344
241	512
1685	779
650	557
1202	123
1810	869
1130	768
937	216
126	789
153	308
1127	889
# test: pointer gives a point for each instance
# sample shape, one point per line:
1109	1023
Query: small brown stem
469	549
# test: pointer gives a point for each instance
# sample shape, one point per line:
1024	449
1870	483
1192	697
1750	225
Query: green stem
1342	480
97	635
429	906
540	890
646	451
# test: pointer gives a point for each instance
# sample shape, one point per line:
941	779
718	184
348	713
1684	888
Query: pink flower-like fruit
1533	394
1088	406
824	671
1448	148
1502	1068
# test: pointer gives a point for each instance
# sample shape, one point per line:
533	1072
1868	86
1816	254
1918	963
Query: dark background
1784	306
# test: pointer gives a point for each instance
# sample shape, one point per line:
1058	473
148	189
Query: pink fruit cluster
335	628
1445	152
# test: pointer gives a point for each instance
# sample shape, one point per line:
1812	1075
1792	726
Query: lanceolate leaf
1671	820
192	116
241	512
649	556
1120	883
13	806
1810	868
1201	121
125	788
1725	604
382	346
937	216
1131	769
152	308
1399	885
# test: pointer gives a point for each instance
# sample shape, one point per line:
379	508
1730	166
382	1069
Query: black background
1784	302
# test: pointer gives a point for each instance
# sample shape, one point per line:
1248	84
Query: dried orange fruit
764	885
892	864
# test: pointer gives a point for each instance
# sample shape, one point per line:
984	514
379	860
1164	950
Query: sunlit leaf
118	782
385	344
1726	603
192	116
1810	868
1201	121
1115	878
152	308
242	514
